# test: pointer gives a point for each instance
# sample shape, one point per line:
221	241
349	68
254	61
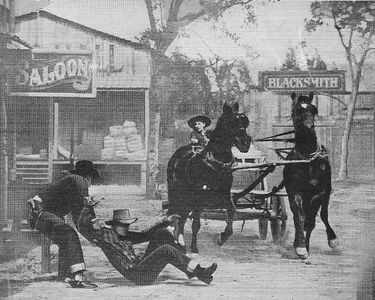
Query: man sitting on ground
117	244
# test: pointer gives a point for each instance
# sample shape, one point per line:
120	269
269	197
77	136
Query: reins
272	138
210	161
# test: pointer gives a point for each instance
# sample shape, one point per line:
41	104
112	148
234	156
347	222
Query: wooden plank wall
131	64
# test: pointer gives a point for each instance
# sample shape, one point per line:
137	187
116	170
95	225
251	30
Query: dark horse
203	179
308	185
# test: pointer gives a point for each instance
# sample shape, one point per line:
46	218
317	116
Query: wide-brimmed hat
85	167
121	216
203	119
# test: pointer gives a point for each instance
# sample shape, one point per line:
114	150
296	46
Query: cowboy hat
121	217
203	119
85	167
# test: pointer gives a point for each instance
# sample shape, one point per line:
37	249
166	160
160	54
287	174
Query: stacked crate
123	143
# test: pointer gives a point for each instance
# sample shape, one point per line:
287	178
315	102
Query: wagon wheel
278	224
263	228
263	222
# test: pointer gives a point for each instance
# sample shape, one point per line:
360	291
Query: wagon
256	201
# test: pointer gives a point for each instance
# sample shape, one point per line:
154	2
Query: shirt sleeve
80	190
85	225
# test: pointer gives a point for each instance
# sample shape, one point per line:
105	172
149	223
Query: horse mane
305	138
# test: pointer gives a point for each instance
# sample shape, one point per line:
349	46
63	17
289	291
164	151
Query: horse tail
176	180
171	179
173	176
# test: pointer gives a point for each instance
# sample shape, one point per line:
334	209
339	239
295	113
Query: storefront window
31	123
108	128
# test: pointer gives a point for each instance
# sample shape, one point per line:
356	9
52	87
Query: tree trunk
3	152
152	168
343	171
158	60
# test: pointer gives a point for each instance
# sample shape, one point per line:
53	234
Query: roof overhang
14	42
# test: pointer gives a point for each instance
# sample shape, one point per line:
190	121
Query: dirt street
249	268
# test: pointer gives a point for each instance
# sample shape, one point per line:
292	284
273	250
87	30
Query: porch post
72	135
3	142
12	140
45	242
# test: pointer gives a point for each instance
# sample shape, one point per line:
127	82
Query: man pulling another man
70	195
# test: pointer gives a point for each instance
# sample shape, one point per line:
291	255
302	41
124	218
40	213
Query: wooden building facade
110	129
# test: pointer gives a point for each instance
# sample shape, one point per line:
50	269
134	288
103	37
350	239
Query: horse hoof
219	241
333	243
302	252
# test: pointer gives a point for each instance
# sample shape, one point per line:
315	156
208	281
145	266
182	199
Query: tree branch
346	47
189	18
340	33
368	40
368	50
173	10
150	14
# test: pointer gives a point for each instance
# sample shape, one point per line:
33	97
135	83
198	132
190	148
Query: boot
204	274
80	281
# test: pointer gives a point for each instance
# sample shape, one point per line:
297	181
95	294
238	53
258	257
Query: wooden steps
32	172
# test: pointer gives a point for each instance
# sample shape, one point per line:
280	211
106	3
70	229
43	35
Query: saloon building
84	92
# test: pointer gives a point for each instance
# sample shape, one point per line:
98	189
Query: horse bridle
208	159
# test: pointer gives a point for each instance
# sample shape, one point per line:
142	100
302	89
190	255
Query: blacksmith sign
55	74
302	81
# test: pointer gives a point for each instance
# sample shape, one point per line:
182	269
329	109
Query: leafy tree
354	22
231	77
291	61
185	88
166	18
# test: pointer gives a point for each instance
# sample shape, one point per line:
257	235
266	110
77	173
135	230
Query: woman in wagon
117	242
199	137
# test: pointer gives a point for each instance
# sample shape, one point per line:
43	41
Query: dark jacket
66	195
200	136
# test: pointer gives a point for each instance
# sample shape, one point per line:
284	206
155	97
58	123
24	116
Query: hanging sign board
302	81
54	74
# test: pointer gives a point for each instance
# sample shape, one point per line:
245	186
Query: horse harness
210	161
320	156
320	153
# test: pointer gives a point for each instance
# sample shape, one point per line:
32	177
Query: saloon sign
54	74
287	81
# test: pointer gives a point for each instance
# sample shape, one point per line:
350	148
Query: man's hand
93	200
172	218
165	222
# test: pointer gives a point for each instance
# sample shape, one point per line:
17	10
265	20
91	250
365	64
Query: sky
279	26
26	6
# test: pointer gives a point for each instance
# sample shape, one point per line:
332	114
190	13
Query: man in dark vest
48	209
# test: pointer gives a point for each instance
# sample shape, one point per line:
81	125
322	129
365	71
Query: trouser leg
151	265
161	237
66	238
62	271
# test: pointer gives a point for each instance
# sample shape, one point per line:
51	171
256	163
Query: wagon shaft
240	215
